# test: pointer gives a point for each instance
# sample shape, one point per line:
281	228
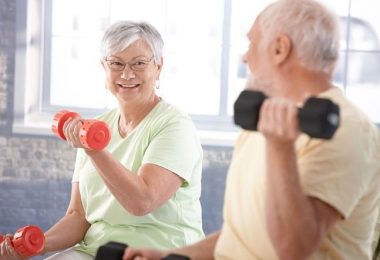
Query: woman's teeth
128	85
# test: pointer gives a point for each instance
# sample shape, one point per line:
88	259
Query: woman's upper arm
162	183
177	149
75	204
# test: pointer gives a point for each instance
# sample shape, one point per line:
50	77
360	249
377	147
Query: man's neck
303	84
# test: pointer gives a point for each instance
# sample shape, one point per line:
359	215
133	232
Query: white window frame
33	115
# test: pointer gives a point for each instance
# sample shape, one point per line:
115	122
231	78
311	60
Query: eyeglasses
138	64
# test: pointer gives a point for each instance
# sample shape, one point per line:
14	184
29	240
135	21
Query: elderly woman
144	188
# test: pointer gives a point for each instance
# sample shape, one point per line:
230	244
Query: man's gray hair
312	28
121	35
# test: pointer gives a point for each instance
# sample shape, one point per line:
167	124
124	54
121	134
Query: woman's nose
127	73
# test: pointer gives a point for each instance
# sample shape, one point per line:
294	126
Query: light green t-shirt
166	137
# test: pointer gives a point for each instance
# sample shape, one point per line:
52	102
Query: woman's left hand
7	251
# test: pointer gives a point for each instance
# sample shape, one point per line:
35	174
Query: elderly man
290	196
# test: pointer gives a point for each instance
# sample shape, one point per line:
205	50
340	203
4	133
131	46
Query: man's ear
281	48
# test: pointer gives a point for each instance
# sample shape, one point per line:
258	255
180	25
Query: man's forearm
202	250
291	220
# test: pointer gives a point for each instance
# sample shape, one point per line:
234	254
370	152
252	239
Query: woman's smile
125	86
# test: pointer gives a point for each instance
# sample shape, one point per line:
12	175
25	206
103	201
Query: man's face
257	60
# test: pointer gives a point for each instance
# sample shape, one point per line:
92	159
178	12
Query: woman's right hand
7	251
71	131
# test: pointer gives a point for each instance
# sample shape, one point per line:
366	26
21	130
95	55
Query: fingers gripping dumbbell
114	251
27	241
94	134
319	117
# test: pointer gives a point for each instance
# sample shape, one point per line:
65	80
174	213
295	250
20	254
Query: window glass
191	78
192	51
363	84
365	25
243	13
203	72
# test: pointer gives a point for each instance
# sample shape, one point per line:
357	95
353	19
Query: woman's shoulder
169	111
166	115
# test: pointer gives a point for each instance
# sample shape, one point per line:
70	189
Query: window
58	59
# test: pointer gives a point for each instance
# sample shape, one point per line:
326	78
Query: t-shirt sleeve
79	161
337	171
176	147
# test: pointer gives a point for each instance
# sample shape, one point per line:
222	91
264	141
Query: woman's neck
132	114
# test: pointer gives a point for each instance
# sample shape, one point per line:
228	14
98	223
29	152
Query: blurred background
50	60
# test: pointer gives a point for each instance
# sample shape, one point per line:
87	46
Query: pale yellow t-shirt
343	172
166	137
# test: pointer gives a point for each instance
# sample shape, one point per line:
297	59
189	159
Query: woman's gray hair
121	35
312	28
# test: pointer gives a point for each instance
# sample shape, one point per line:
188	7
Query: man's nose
244	58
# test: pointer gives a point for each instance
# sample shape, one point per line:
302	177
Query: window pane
191	75
365	24
81	18
138	11
364	82
339	77
340	7
77	78
191	72
243	14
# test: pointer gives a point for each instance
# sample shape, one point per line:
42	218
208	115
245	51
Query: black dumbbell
319	117
114	251
111	251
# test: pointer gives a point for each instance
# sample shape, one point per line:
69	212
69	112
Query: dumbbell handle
27	241
319	117
115	250
94	134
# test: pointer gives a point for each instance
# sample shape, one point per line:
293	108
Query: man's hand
278	121
142	254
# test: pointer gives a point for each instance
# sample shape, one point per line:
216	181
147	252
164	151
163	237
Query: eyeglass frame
130	64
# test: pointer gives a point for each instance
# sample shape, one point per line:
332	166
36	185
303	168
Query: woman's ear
161	63
159	68
281	49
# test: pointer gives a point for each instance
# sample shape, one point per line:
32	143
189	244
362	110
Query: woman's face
132	73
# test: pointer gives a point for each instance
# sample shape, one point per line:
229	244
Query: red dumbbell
27	241
94	134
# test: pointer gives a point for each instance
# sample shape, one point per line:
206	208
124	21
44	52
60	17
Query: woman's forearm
68	231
